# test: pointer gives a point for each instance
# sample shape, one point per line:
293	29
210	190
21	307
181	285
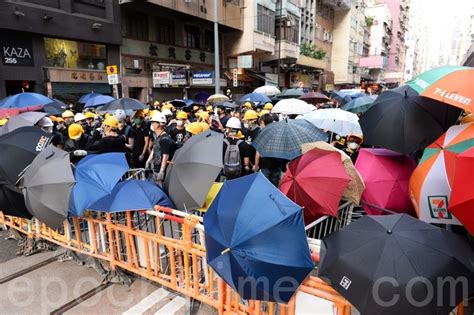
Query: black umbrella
227	104
12	201
122	103
403	121
55	108
396	264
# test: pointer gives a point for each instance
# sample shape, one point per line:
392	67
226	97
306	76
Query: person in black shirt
231	136
112	141
250	130
177	130
271	167
141	141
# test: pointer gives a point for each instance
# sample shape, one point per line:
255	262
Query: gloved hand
159	176
80	153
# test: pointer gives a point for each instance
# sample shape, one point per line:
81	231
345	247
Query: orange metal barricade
144	243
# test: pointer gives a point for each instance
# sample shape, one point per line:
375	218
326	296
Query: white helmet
233	123
45	122
120	114
159	118
167	112
79	116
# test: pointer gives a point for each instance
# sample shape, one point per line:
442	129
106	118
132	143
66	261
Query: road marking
147	302
172	307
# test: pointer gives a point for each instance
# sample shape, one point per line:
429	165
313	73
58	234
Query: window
288	28
77	55
136	25
209	40
265	20
165	31
192	37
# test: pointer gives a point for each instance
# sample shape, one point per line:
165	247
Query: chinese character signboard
203	78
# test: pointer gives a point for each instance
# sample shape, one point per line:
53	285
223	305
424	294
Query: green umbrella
360	104
290	93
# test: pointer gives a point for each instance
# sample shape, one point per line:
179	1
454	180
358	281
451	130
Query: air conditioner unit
188	1
137	64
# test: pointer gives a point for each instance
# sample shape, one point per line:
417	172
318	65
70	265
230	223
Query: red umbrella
461	204
314	98
9	112
316	181
386	175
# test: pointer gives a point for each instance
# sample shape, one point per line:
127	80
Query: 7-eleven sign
439	207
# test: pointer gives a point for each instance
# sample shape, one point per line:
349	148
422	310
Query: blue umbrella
132	195
360	104
255	239
257	98
283	139
25	99
98	100
338	96
181	103
96	176
84	98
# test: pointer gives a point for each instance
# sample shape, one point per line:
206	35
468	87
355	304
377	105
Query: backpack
232	166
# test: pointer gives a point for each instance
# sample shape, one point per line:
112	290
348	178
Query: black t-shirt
272	163
178	136
139	134
108	144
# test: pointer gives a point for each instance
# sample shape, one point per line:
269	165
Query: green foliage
369	21
312	51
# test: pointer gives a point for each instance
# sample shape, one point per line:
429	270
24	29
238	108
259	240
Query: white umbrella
335	120
292	106
268	90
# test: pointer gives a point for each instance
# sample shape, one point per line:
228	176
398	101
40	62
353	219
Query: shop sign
161	77
16	49
203	78
178	78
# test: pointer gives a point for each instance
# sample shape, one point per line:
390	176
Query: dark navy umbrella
132	195
122	103
258	99
96	177
84	98
396	264
181	103
227	104
57	107
255	240
98	100
201	97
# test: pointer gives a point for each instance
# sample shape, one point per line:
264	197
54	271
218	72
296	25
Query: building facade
44	50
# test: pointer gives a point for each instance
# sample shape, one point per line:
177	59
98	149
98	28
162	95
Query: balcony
312	62
373	62
339	5
289	50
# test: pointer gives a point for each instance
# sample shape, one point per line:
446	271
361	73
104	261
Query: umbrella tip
406	94
389	231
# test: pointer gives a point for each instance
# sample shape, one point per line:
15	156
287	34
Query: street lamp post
217	74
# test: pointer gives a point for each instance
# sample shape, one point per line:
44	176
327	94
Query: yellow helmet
75	131
250	115
205	126
53	118
240	135
467	119
268	106
156	103
166	106
89	115
59	120
67	114
146	111
263	112
111	122
209	109
153	112
194	128
182	115
3	121
248	105
204	116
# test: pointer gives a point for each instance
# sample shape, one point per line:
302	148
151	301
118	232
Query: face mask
137	121
152	128
246	125
179	123
60	127
353	146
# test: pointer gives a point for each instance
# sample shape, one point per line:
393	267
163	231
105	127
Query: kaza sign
16	49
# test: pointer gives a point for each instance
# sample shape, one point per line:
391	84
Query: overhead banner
203	78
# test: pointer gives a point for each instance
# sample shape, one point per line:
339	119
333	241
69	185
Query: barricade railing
165	246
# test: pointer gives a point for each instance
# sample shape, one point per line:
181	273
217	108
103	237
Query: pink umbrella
386	175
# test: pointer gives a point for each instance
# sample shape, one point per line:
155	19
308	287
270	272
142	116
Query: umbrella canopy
98	100
254	232
383	264
314	98
268	90
360	104
181	103
18	148
451	85
258	99
316	181
431	182
26	99
461	204
132	195
96	176
193	170
84	98
335	120
27	119
356	186
283	139
201	97
211	195
349	97
227	104
217	98
48	183
57	107
400	120
338	95
386	175
122	103
290	93
292	106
